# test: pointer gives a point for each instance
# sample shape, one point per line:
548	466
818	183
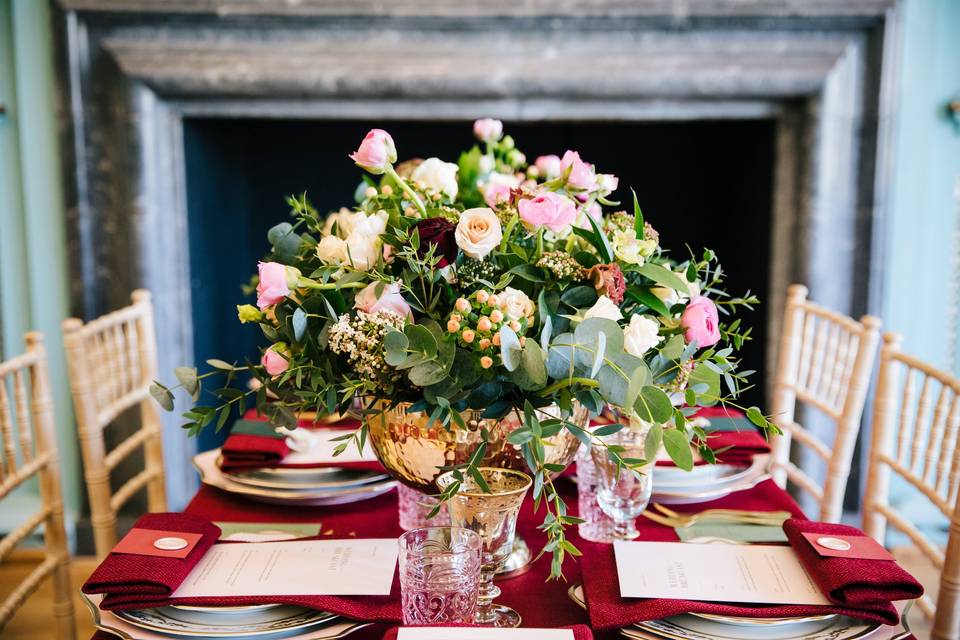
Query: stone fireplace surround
132	70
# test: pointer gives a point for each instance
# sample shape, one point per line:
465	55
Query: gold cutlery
674	519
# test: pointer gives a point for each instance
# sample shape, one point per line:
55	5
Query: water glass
597	526
415	507
439	575
623	494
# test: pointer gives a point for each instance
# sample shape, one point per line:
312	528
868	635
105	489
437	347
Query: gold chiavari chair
112	361
29	451
916	427
825	362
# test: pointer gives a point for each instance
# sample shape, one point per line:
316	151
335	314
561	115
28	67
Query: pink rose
548	209
701	322
495	194
390	300
273	286
376	152
548	166
580	175
488	129
274	361
594	211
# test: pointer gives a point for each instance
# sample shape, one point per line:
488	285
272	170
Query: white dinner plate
210	474
713	489
273	622
299	479
700	475
109	622
694	627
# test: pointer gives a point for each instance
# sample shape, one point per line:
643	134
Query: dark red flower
439	232
608	280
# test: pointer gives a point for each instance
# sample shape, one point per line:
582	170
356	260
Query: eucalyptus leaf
653	405
395	347
678	448
162	395
187	376
651	445
532	372
510	351
299	322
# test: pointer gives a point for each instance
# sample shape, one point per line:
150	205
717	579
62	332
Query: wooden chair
29	450
825	362
112	361
916	438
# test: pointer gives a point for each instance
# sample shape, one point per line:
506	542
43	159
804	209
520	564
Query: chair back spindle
112	362
29	451
825	362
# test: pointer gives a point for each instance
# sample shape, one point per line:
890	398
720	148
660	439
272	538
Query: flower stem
407	190
556	386
307	283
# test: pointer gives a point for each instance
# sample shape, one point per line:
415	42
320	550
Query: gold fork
671	518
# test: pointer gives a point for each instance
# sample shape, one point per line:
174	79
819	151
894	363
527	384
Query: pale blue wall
33	270
922	245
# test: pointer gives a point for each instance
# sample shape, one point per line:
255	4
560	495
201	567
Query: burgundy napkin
850	581
132	579
740	446
607	610
580	631
248	447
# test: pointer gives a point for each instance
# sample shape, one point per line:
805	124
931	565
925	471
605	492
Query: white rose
438	176
373	225
515	303
641	335
332	250
343	219
364	250
607	183
604	308
478	232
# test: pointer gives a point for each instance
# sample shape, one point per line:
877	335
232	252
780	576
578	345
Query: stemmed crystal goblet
493	515
623	493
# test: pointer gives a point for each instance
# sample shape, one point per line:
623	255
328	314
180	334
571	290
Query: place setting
294	466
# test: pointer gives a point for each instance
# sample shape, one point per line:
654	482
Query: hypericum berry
515	325
386	190
486	362
494	301
462	305
453	326
482	296
468	335
484	323
484	343
496	339
496	316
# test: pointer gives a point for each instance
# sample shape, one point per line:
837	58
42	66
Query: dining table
541	602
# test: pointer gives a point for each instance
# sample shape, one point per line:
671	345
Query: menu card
317	446
714	573
361	567
476	633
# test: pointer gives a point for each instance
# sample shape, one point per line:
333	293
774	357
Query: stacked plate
294	486
255	622
672	485
702	626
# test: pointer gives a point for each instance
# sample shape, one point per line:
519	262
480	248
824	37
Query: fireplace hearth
184	114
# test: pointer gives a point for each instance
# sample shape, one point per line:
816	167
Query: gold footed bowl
413	453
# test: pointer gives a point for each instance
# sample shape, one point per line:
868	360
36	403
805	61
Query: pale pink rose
548	209
496	190
376	152
488	129
548	166
607	183
273	361
581	174
594	211
390	300
701	322
272	287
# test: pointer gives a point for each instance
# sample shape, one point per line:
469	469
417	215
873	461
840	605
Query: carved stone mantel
133	69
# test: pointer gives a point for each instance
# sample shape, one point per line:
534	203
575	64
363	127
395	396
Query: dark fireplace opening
699	183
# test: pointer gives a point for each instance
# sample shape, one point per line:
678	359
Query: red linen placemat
580	631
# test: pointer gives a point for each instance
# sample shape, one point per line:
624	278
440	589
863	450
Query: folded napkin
732	437
131	579
580	631
607	610
254	444
849	581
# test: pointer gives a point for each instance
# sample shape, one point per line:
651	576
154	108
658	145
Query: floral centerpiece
493	285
